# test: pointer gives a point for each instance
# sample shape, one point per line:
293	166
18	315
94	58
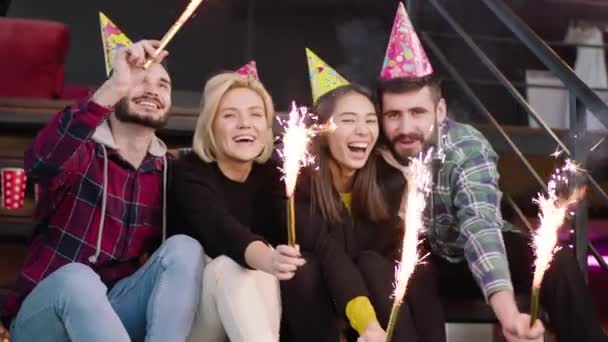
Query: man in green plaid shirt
466	234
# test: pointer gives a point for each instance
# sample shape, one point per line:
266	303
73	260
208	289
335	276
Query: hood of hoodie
103	135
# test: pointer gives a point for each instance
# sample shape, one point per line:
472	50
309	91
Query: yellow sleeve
360	313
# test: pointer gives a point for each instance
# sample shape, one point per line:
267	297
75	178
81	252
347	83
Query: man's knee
78	282
564	261
183	252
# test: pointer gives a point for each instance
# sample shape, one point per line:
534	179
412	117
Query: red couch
32	58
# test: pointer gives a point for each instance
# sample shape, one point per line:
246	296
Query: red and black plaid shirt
67	163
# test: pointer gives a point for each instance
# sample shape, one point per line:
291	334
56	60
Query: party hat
249	70
405	57
323	78
113	39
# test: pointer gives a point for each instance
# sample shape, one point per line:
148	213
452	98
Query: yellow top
346	199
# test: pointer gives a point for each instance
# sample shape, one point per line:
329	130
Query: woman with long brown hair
344	231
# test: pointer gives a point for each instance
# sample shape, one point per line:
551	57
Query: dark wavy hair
367	203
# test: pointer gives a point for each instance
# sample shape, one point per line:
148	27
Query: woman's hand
284	262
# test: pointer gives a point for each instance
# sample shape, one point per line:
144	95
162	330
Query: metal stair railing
581	98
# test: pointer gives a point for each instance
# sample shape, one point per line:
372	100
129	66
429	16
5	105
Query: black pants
310	315
564	295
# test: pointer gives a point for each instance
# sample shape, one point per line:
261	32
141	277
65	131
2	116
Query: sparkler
296	139
192	6
418	179
553	211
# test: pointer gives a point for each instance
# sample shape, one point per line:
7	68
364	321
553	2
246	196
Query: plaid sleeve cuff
492	274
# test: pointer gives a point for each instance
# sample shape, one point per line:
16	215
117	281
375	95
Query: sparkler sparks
418	177
296	140
554	209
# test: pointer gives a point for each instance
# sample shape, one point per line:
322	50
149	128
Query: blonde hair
203	143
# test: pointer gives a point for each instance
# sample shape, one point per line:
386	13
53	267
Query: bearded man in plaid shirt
474	252
89	275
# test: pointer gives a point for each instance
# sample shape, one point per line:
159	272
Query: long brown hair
367	202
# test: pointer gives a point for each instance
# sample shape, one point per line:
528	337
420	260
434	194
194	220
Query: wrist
259	256
109	94
504	306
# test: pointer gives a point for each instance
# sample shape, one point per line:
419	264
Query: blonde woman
228	196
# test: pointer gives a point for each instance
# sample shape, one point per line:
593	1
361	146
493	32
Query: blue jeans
156	303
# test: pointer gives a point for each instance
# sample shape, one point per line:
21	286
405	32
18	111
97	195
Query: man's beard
404	157
123	114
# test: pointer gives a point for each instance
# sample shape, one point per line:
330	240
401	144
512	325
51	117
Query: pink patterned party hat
249	70
405	56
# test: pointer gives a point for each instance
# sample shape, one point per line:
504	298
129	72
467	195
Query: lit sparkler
553	211
192	6
418	179
296	139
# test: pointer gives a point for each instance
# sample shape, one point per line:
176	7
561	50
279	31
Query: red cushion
32	57
75	92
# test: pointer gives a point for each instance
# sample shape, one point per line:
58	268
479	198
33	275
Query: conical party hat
249	70
323	78
112	38
405	56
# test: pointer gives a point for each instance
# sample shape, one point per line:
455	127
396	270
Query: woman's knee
371	260
306	282
222	265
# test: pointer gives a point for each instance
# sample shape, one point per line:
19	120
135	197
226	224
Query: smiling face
355	133
149	101
408	120
240	126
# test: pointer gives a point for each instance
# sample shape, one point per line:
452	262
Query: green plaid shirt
468	221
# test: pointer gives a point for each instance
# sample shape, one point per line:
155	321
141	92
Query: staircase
485	87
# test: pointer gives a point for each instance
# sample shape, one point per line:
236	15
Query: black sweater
223	215
337	246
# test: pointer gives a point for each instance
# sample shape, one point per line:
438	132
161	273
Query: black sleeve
270	205
341	275
201	207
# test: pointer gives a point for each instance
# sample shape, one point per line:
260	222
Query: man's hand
515	325
5	336
518	329
127	71
373	333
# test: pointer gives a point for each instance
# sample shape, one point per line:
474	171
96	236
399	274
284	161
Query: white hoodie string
93	258
165	167
104	198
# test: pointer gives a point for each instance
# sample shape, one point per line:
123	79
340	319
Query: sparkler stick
192	6
553	211
295	155
418	179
